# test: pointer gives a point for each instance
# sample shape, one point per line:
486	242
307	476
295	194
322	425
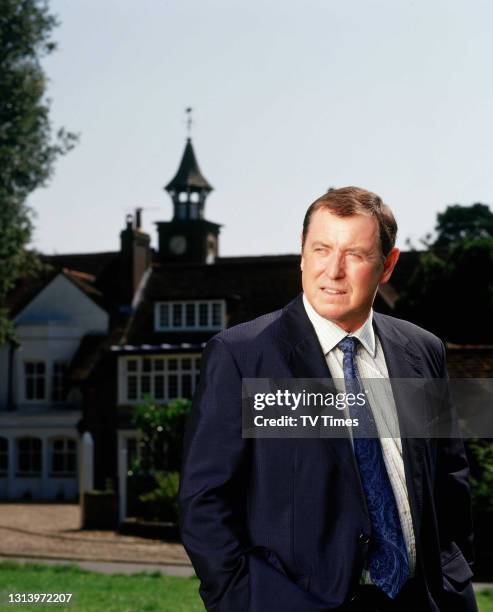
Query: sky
290	97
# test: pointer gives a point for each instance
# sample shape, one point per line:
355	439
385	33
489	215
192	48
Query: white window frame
64	451
143	369
165	322
34	377
28	473
58	380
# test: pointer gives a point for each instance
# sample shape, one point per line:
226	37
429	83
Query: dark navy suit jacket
281	524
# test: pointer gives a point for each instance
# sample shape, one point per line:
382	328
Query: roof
251	287
85	270
188	175
470	361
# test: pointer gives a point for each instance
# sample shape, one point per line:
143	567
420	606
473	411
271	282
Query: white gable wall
61	302
50	329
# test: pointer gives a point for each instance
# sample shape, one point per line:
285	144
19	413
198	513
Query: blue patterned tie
388	560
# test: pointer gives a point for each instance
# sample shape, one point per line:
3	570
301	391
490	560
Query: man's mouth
330	291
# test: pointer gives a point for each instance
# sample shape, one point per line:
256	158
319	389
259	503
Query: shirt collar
330	334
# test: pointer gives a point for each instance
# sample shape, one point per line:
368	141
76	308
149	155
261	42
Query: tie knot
348	345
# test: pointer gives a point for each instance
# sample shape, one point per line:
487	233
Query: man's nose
335	266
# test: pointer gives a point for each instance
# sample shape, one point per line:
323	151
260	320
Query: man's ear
389	265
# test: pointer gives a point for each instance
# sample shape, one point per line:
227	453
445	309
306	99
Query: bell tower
188	237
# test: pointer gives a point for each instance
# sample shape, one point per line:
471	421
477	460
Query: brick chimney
135	255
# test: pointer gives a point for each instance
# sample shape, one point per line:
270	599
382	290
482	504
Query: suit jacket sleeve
452	486
234	577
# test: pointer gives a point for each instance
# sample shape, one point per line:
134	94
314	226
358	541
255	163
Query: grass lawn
485	601
92	591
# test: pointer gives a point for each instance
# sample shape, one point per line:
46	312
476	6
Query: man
303	525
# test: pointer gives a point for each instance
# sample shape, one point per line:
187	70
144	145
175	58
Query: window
35	380
4	456
63	457
58	381
29	456
164	377
206	315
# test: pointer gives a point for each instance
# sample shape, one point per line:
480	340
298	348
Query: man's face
342	267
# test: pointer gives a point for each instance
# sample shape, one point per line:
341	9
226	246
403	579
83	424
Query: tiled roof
470	361
188	175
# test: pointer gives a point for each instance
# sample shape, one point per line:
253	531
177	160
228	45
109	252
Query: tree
461	223
451	290
27	148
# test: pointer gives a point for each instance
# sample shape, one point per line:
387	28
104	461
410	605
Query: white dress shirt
371	366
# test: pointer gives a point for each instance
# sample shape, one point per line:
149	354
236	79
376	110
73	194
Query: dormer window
196	315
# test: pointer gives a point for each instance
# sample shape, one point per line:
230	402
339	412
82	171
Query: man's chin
331	312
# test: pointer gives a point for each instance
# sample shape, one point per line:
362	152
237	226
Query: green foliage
27	149
154	478
451	290
481	461
162	429
162	501
463	223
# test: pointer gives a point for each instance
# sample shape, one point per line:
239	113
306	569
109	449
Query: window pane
29	388
172	364
34	380
132	365
190	315
40	388
177	315
186	363
203	315
145	384
132	387
186	386
57	464
71	463
29	455
146	364
63	456
58	382
159	387
158	365
172	386
216	314
164	315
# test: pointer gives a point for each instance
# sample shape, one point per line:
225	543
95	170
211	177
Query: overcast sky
289	96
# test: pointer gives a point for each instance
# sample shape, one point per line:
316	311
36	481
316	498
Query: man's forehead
359	226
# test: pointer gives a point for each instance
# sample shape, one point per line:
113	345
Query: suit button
364	539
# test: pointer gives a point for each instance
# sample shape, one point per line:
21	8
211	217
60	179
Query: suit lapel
403	361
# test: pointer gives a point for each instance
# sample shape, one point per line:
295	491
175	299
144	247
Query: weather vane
189	120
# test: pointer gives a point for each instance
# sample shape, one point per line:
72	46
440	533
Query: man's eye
354	255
